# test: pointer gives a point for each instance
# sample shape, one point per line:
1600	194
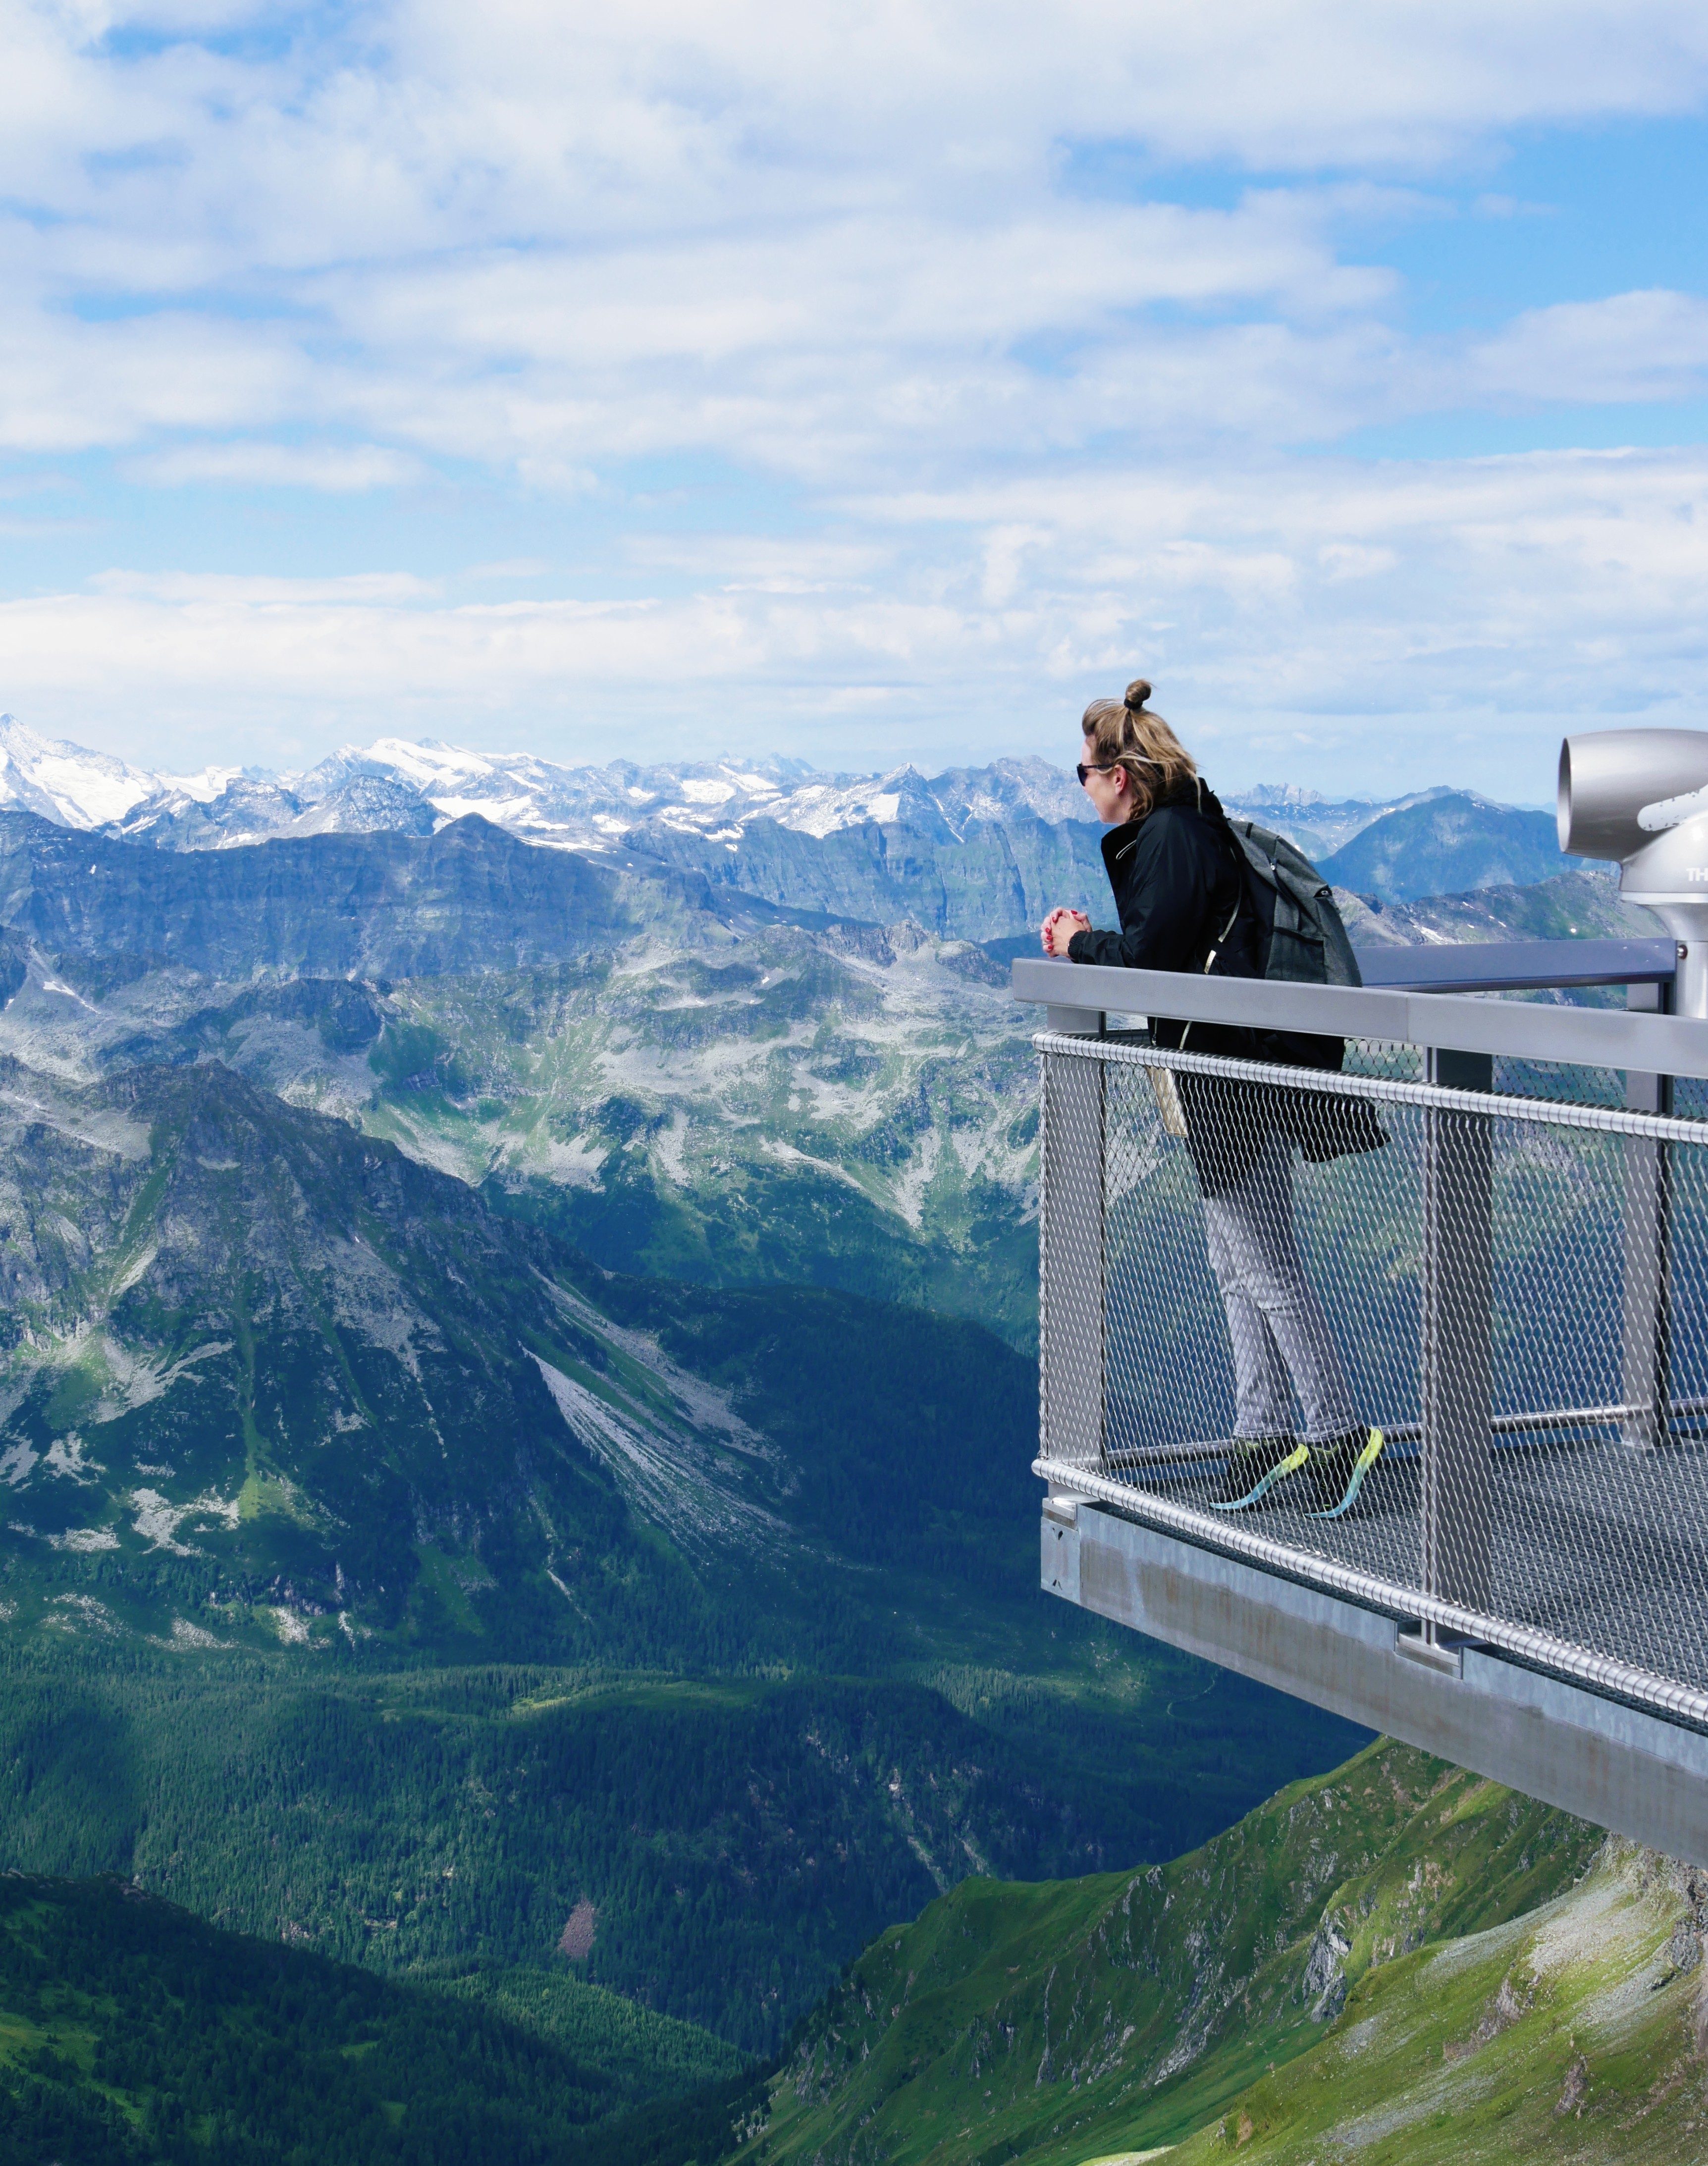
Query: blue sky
864	384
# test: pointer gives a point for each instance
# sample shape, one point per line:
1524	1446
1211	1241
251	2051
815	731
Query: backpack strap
1221	942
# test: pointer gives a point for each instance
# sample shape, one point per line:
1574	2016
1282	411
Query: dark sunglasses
1083	770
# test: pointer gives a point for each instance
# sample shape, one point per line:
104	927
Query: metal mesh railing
1513	1287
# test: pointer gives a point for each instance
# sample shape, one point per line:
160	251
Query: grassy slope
1126	2010
1396	1962
1575	2032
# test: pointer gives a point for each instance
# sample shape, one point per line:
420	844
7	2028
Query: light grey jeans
1274	1319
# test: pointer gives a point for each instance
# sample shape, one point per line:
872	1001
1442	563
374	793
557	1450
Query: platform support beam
1613	1765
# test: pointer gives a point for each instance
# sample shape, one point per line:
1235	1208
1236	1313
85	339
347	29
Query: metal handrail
1515	966
1528	1030
1131	1051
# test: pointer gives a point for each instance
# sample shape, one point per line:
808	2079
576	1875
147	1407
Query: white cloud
337	469
546	238
355	590
982	83
66	385
1370	616
1025	433
1629	346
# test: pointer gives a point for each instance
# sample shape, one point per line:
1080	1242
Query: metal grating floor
1561	1508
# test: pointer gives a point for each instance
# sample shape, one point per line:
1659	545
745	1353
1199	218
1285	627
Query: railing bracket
1441	1652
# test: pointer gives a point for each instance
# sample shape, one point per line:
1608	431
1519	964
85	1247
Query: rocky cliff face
386	904
989	879
264	1368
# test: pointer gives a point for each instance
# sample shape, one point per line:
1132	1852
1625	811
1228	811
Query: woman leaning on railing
1185	903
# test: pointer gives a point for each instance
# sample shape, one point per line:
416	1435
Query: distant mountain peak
66	782
1282	795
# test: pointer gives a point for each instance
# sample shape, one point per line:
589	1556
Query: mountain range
515	1399
309	1378
972	853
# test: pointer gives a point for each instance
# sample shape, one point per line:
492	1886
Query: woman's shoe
1254	1467
1338	1469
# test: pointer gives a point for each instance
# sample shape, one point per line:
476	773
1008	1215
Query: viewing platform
1517	1282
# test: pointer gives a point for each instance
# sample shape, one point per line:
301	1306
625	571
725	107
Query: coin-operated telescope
1640	798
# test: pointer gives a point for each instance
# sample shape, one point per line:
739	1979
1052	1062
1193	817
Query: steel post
1073	1384
1645	1348
1458	1372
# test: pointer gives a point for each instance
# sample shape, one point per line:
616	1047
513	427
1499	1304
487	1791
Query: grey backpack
1302	935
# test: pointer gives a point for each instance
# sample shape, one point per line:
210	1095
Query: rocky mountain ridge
698	1083
969	853
396	783
265	1380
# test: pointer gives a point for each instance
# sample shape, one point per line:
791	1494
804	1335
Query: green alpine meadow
1394	1962
520	1637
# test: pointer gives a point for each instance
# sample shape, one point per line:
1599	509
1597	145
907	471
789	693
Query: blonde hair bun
1126	734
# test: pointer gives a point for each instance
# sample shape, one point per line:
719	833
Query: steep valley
287	1409
728	1842
1392	1962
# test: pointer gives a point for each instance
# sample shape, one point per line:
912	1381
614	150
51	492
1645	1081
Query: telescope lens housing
1609	778
1640	797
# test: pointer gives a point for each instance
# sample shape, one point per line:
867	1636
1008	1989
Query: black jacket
1180	887
1179	891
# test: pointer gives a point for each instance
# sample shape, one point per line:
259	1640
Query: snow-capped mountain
594	808
396	784
76	788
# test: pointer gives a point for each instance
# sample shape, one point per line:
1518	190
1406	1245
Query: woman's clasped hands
1060	927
